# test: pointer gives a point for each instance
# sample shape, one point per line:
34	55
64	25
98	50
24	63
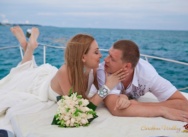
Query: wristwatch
103	91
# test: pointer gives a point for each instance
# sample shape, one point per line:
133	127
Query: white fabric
25	90
52	95
39	125
90	83
4	125
25	81
145	79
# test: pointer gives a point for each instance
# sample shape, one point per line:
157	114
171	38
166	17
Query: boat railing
146	57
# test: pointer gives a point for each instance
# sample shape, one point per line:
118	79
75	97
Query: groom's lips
106	66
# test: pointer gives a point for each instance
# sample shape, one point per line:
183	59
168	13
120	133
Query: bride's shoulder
63	69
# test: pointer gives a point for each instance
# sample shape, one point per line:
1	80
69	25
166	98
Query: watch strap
103	91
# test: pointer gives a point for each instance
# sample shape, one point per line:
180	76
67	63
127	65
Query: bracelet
103	91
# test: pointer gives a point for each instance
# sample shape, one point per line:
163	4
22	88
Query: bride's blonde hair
76	47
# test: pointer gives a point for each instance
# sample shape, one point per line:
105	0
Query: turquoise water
167	44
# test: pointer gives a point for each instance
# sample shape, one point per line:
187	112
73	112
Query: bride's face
92	58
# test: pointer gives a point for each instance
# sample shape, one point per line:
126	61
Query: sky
116	14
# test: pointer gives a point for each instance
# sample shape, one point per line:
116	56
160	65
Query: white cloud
27	22
48	14
3	18
5	21
2	15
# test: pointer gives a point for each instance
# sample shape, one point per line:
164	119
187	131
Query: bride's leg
18	33
32	44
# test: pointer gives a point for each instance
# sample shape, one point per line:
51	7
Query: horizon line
31	24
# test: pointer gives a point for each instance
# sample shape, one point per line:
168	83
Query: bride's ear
83	58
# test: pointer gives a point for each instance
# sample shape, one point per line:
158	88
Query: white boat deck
106	125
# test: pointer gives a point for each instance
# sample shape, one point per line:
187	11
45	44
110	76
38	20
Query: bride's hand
113	79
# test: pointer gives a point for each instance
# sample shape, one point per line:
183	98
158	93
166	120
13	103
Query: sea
171	44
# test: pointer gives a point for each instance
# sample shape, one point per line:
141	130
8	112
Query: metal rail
106	50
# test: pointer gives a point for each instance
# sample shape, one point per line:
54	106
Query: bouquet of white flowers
74	111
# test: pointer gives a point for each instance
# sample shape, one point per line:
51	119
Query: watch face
103	92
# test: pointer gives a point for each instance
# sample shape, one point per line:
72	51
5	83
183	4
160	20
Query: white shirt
145	79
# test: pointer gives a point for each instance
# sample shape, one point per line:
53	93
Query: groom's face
113	61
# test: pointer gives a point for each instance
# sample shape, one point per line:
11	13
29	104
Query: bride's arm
110	82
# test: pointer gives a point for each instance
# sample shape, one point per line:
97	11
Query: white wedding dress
26	89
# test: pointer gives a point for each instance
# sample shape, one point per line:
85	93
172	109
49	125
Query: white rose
66	118
87	109
66	97
84	109
74	98
89	116
83	115
72	121
85	102
78	119
64	110
84	121
67	123
67	102
72	110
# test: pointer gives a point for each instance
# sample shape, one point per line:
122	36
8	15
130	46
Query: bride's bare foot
18	33
32	44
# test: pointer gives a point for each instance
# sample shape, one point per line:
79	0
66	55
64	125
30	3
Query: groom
141	78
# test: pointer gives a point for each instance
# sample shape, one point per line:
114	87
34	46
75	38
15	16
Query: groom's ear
127	66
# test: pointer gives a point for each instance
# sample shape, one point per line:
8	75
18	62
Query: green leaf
67	109
58	98
70	92
92	106
80	103
62	123
79	96
55	121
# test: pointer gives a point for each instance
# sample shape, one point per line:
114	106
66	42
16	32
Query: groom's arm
176	101
134	110
147	109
